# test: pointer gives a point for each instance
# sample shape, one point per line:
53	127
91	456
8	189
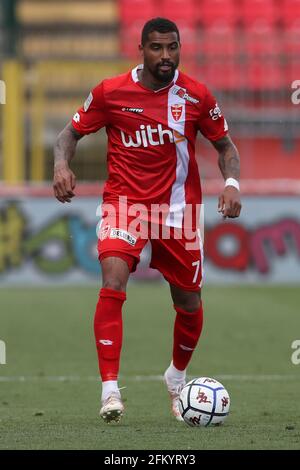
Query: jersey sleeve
92	115
212	123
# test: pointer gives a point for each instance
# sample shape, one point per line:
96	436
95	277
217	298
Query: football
204	402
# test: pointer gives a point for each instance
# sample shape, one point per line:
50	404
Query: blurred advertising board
44	242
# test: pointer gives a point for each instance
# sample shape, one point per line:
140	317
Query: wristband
232	182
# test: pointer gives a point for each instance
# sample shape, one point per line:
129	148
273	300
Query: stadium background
51	54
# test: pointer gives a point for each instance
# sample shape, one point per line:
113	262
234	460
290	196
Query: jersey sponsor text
148	135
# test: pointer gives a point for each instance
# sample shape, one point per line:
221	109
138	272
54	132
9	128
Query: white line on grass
144	378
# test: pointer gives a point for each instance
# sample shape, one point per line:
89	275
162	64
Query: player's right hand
64	182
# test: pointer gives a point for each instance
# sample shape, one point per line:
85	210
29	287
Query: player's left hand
230	202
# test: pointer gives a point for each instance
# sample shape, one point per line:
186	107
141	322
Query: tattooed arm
64	150
229	164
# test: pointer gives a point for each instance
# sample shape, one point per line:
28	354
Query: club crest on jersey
176	110
184	95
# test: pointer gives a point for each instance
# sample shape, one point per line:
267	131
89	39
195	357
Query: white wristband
232	182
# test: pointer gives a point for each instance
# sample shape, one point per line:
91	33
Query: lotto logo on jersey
133	110
147	135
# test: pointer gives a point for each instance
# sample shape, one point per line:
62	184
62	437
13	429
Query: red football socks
187	330
108	332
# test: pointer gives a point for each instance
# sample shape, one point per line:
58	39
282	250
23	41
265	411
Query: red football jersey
151	137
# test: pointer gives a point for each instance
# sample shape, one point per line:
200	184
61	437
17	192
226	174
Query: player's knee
190	303
191	307
115	284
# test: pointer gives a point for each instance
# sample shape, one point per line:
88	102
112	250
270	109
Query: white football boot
174	387
112	408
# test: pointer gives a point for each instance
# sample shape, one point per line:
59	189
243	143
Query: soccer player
152	115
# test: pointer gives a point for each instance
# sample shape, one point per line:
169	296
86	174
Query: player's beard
167	75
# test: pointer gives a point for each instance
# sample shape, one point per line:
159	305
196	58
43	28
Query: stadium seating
189	37
291	53
136	10
130	38
219	41
41	46
178	11
264	75
258	12
291	41
292	71
211	12
216	35
290	13
261	41
221	75
76	12
230	43
246	51
69	29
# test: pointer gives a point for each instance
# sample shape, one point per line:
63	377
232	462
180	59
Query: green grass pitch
49	394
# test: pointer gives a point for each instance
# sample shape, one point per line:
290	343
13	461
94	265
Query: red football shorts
176	253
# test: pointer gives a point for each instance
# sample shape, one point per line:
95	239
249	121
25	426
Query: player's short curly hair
162	25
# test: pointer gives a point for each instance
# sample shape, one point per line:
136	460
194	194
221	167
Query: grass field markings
143	378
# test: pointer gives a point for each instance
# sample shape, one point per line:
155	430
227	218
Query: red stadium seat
135	10
212	12
292	71
290	13
255	12
189	39
261	40
219	41
222	75
130	38
264	75
291	41
190	66
178	10
291	47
